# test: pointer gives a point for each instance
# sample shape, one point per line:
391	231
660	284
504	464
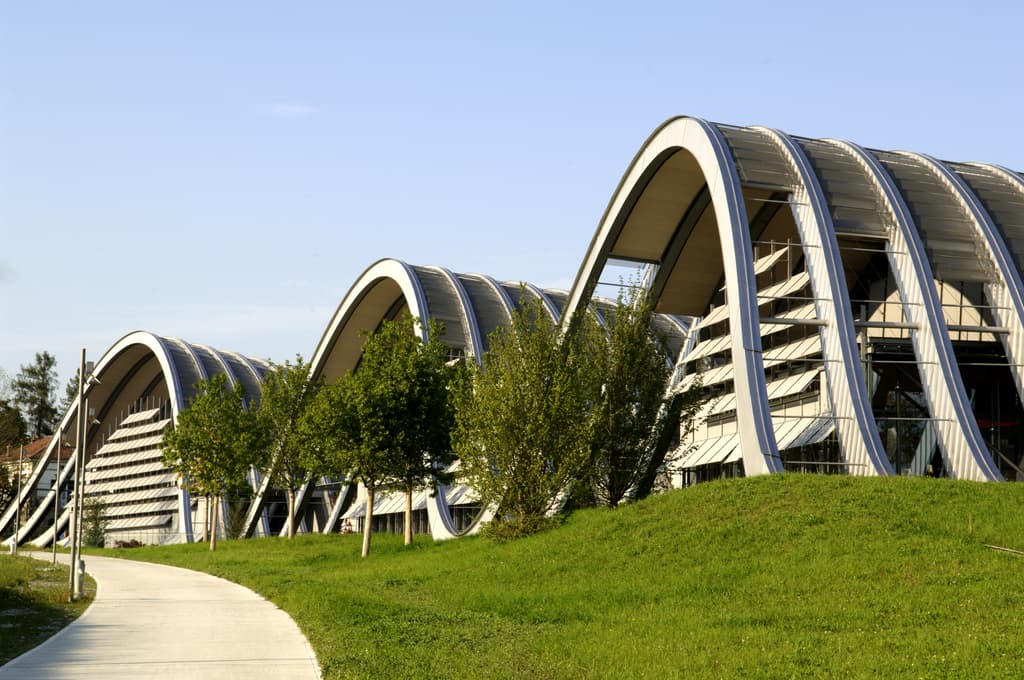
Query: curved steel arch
957	429
386	270
706	144
66	424
358	311
855	424
115	370
1008	297
466	311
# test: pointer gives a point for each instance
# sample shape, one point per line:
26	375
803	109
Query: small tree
286	393
334	442
634	377
34	389
388	424
70	394
13	430
94	521
410	405
215	442
523	425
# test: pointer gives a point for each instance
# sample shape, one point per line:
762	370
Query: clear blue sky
222	172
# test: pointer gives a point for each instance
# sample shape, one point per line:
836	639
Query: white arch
101	369
382	270
1008	296
465	310
958	432
709	148
855	424
412	291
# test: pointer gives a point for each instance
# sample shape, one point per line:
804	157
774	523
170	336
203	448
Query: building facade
842	309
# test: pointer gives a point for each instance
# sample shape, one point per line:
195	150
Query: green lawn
778	576
33	603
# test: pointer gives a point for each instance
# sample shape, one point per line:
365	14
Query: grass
778	576
33	603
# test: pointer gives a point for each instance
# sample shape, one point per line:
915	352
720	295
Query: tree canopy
523	423
386	425
286	393
12	425
70	394
34	392
634	375
215	441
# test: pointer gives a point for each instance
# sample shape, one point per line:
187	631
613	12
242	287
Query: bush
94	523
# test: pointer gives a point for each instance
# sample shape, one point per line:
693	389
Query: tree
523	425
8	488
634	378
34	389
387	425
410	405
94	521
286	393
215	442
333	442
12	425
70	394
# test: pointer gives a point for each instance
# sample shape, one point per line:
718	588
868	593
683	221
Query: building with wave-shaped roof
841	309
854	310
134	392
470	307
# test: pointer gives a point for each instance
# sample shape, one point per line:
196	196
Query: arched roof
471	307
697	195
139	368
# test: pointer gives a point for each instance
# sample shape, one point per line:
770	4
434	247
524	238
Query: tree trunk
408	516
291	512
368	522
213	523
207	517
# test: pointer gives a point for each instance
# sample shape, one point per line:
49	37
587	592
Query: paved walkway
154	621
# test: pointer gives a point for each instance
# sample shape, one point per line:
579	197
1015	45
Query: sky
223	172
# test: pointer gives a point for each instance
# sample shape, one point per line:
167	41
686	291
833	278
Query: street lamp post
75	582
17	521
56	493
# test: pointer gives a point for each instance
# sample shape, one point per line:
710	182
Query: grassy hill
787	575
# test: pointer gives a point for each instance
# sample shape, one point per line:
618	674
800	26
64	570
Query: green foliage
34	603
7	489
407	409
285	394
13	430
34	389
70	394
780	576
634	377
388	423
215	441
94	521
330	436
523	425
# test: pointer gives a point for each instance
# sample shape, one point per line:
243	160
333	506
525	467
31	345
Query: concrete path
154	621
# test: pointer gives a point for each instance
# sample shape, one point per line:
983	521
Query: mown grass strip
33	603
774	576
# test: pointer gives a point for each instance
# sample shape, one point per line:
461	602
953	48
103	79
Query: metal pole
56	494
74	587
80	506
17	522
16	499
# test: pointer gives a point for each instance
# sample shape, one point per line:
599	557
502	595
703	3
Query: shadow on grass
33	603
